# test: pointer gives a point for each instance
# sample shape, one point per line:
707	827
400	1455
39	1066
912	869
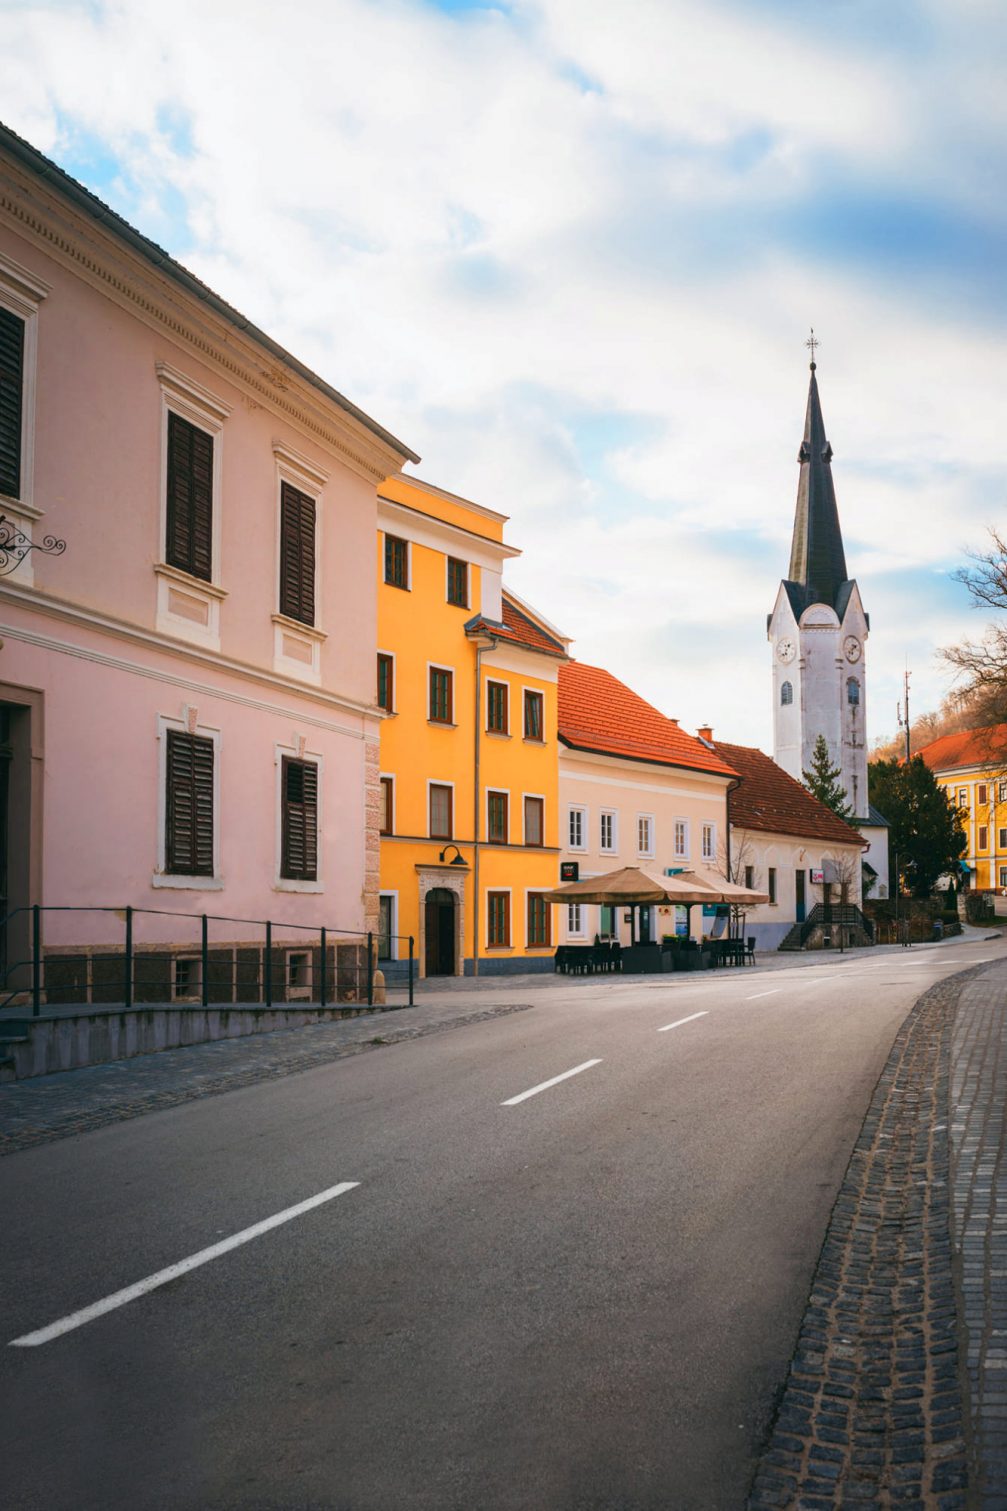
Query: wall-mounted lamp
459	859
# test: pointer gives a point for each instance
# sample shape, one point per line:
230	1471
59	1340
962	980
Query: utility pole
902	712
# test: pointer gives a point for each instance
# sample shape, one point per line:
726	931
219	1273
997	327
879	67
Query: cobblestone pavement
979	1197
872	1413
76	1101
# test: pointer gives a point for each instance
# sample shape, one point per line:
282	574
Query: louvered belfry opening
300	820
297	555
11	387
189	818
189	545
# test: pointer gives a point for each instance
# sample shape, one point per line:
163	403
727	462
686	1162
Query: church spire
817	559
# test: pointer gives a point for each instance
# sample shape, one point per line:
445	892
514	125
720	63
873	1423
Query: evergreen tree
822	781
925	825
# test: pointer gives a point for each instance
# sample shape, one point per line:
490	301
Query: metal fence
214	960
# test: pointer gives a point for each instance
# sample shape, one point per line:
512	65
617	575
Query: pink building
187	715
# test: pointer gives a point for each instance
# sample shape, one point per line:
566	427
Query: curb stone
871	1414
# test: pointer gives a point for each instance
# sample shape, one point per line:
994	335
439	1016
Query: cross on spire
813	344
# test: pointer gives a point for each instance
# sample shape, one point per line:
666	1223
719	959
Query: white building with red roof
635	790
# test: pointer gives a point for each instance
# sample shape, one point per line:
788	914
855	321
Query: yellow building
469	782
972	767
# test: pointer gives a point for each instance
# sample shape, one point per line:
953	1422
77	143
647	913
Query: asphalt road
584	1300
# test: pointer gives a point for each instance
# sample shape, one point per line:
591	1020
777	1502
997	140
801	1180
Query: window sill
454	604
498	734
187	883
442	724
531	740
498	949
19	506
287	623
289	884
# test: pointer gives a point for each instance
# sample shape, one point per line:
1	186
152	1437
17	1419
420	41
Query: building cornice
50	607
62	219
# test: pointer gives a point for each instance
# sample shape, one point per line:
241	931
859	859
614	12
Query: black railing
290	965
841	915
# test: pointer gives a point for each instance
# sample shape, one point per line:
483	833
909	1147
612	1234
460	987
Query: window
787	693
576	828
533	716
386	682
297	554
574	918
386	925
189	543
441	700
496	810
963	797
852	691
645	834
1002	792
1002	839
983	837
1003	876
498	910
496	707
189	805
982	797
606	920
709	841
607	841
534	820
396	562
12	343
458	582
386	821
299	848
539	934
681	838
771	889
441	802
187	979
298	973
750	877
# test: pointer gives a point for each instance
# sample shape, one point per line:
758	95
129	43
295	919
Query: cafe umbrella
630	887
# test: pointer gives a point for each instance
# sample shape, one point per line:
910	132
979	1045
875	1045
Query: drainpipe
487	644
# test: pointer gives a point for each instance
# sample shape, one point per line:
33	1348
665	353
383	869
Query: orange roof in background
773	802
970	747
598	712
518	629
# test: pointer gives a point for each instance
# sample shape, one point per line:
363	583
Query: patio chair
750	950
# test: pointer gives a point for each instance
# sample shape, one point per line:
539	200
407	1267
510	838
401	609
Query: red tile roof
518	629
774	803
970	747
598	712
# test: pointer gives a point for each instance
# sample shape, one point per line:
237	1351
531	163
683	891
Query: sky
570	252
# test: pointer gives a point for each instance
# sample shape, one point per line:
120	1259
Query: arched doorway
439	921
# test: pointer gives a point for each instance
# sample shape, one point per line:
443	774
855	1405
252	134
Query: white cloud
484	231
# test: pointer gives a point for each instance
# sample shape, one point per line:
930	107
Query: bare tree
845	868
741	868
981	665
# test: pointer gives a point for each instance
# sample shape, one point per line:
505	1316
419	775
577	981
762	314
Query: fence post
127	989
370	969
36	960
410	970
321	984
267	966
205	967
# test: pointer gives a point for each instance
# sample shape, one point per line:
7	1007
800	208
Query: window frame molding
651	820
529	893
584	811
581	932
400	587
444	839
388	776
535	797
176	880
288	883
710	824
498	734
190	401
298	472
613	814
450	722
22	293
508	893
535	692
497	792
393	896
390	656
452	602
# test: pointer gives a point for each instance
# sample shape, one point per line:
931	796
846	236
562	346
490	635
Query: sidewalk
897	1391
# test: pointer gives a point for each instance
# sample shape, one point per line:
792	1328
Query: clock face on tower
851	645
786	650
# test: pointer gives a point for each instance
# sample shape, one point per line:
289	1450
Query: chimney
705	732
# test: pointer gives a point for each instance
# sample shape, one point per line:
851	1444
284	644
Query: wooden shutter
189	805
189	545
297	555
11	389
299	861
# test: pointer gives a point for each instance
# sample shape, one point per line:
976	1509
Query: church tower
818	630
